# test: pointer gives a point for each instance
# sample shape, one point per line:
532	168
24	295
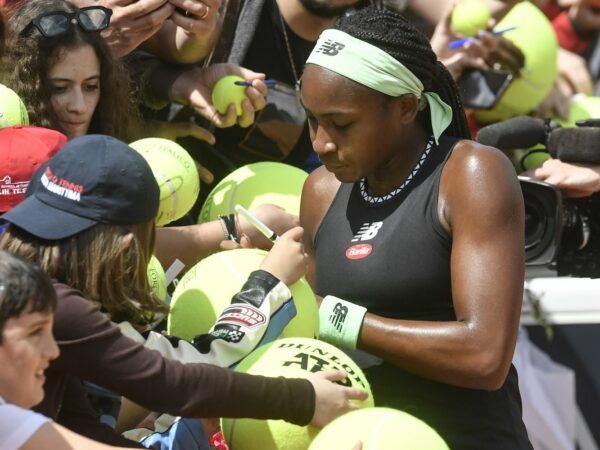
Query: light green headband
374	68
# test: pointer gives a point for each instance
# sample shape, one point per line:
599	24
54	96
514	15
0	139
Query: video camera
562	234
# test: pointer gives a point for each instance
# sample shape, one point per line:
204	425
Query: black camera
561	234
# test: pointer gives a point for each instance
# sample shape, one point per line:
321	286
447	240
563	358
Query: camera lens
542	221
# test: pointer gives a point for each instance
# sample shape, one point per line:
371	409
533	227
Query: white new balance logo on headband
330	48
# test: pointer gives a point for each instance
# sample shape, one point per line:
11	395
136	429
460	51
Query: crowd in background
393	164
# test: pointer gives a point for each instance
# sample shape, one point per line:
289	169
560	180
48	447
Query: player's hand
275	217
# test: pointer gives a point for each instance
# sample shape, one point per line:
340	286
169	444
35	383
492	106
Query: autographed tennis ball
378	429
254	185
207	288
175	173
157	278
290	358
226	92
469	17
534	36
12	109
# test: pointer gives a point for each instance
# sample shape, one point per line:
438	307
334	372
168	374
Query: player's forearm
453	352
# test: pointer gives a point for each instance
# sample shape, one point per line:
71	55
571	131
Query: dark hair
2	33
30	55
24	286
393	34
95	263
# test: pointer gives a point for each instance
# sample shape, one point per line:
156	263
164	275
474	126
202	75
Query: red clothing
94	349
568	37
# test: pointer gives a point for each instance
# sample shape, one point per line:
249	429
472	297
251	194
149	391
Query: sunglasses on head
55	23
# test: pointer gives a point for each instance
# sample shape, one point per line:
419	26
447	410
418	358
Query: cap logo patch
8	187
60	186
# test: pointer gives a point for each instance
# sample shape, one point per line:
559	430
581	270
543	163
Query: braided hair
393	34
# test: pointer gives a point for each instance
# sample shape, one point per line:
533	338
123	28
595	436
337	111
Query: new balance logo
338	316
330	48
367	232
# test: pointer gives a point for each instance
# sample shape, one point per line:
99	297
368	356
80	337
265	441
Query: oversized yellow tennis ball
291	358
157	278
175	173
469	17
207	288
225	92
12	109
535	37
254	185
581	107
378	429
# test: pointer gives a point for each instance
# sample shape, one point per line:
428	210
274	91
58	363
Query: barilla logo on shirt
60	186
10	187
359	251
245	315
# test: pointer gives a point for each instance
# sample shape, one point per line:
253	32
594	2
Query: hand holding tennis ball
469	17
226	92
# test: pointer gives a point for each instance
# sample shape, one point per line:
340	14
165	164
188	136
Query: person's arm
190	33
482	207
191	243
483	52
55	436
573	179
94	349
132	22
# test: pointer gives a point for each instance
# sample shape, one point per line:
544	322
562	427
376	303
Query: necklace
364	190
289	52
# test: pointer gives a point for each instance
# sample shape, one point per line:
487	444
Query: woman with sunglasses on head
88	221
63	70
415	234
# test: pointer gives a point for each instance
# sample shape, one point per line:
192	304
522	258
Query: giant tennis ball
157	278
291	358
378	429
206	289
12	109
175	173
535	37
253	185
581	107
469	17
225	92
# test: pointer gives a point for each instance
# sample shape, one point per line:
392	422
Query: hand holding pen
286	259
460	43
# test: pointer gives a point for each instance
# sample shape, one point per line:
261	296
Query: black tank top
392	256
396	251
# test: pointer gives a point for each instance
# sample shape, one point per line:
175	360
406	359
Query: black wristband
229	228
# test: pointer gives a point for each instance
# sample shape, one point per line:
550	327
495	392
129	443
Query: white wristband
340	321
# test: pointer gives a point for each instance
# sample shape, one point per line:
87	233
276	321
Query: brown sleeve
93	349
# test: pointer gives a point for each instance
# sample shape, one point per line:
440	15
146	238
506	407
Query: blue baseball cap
93	179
